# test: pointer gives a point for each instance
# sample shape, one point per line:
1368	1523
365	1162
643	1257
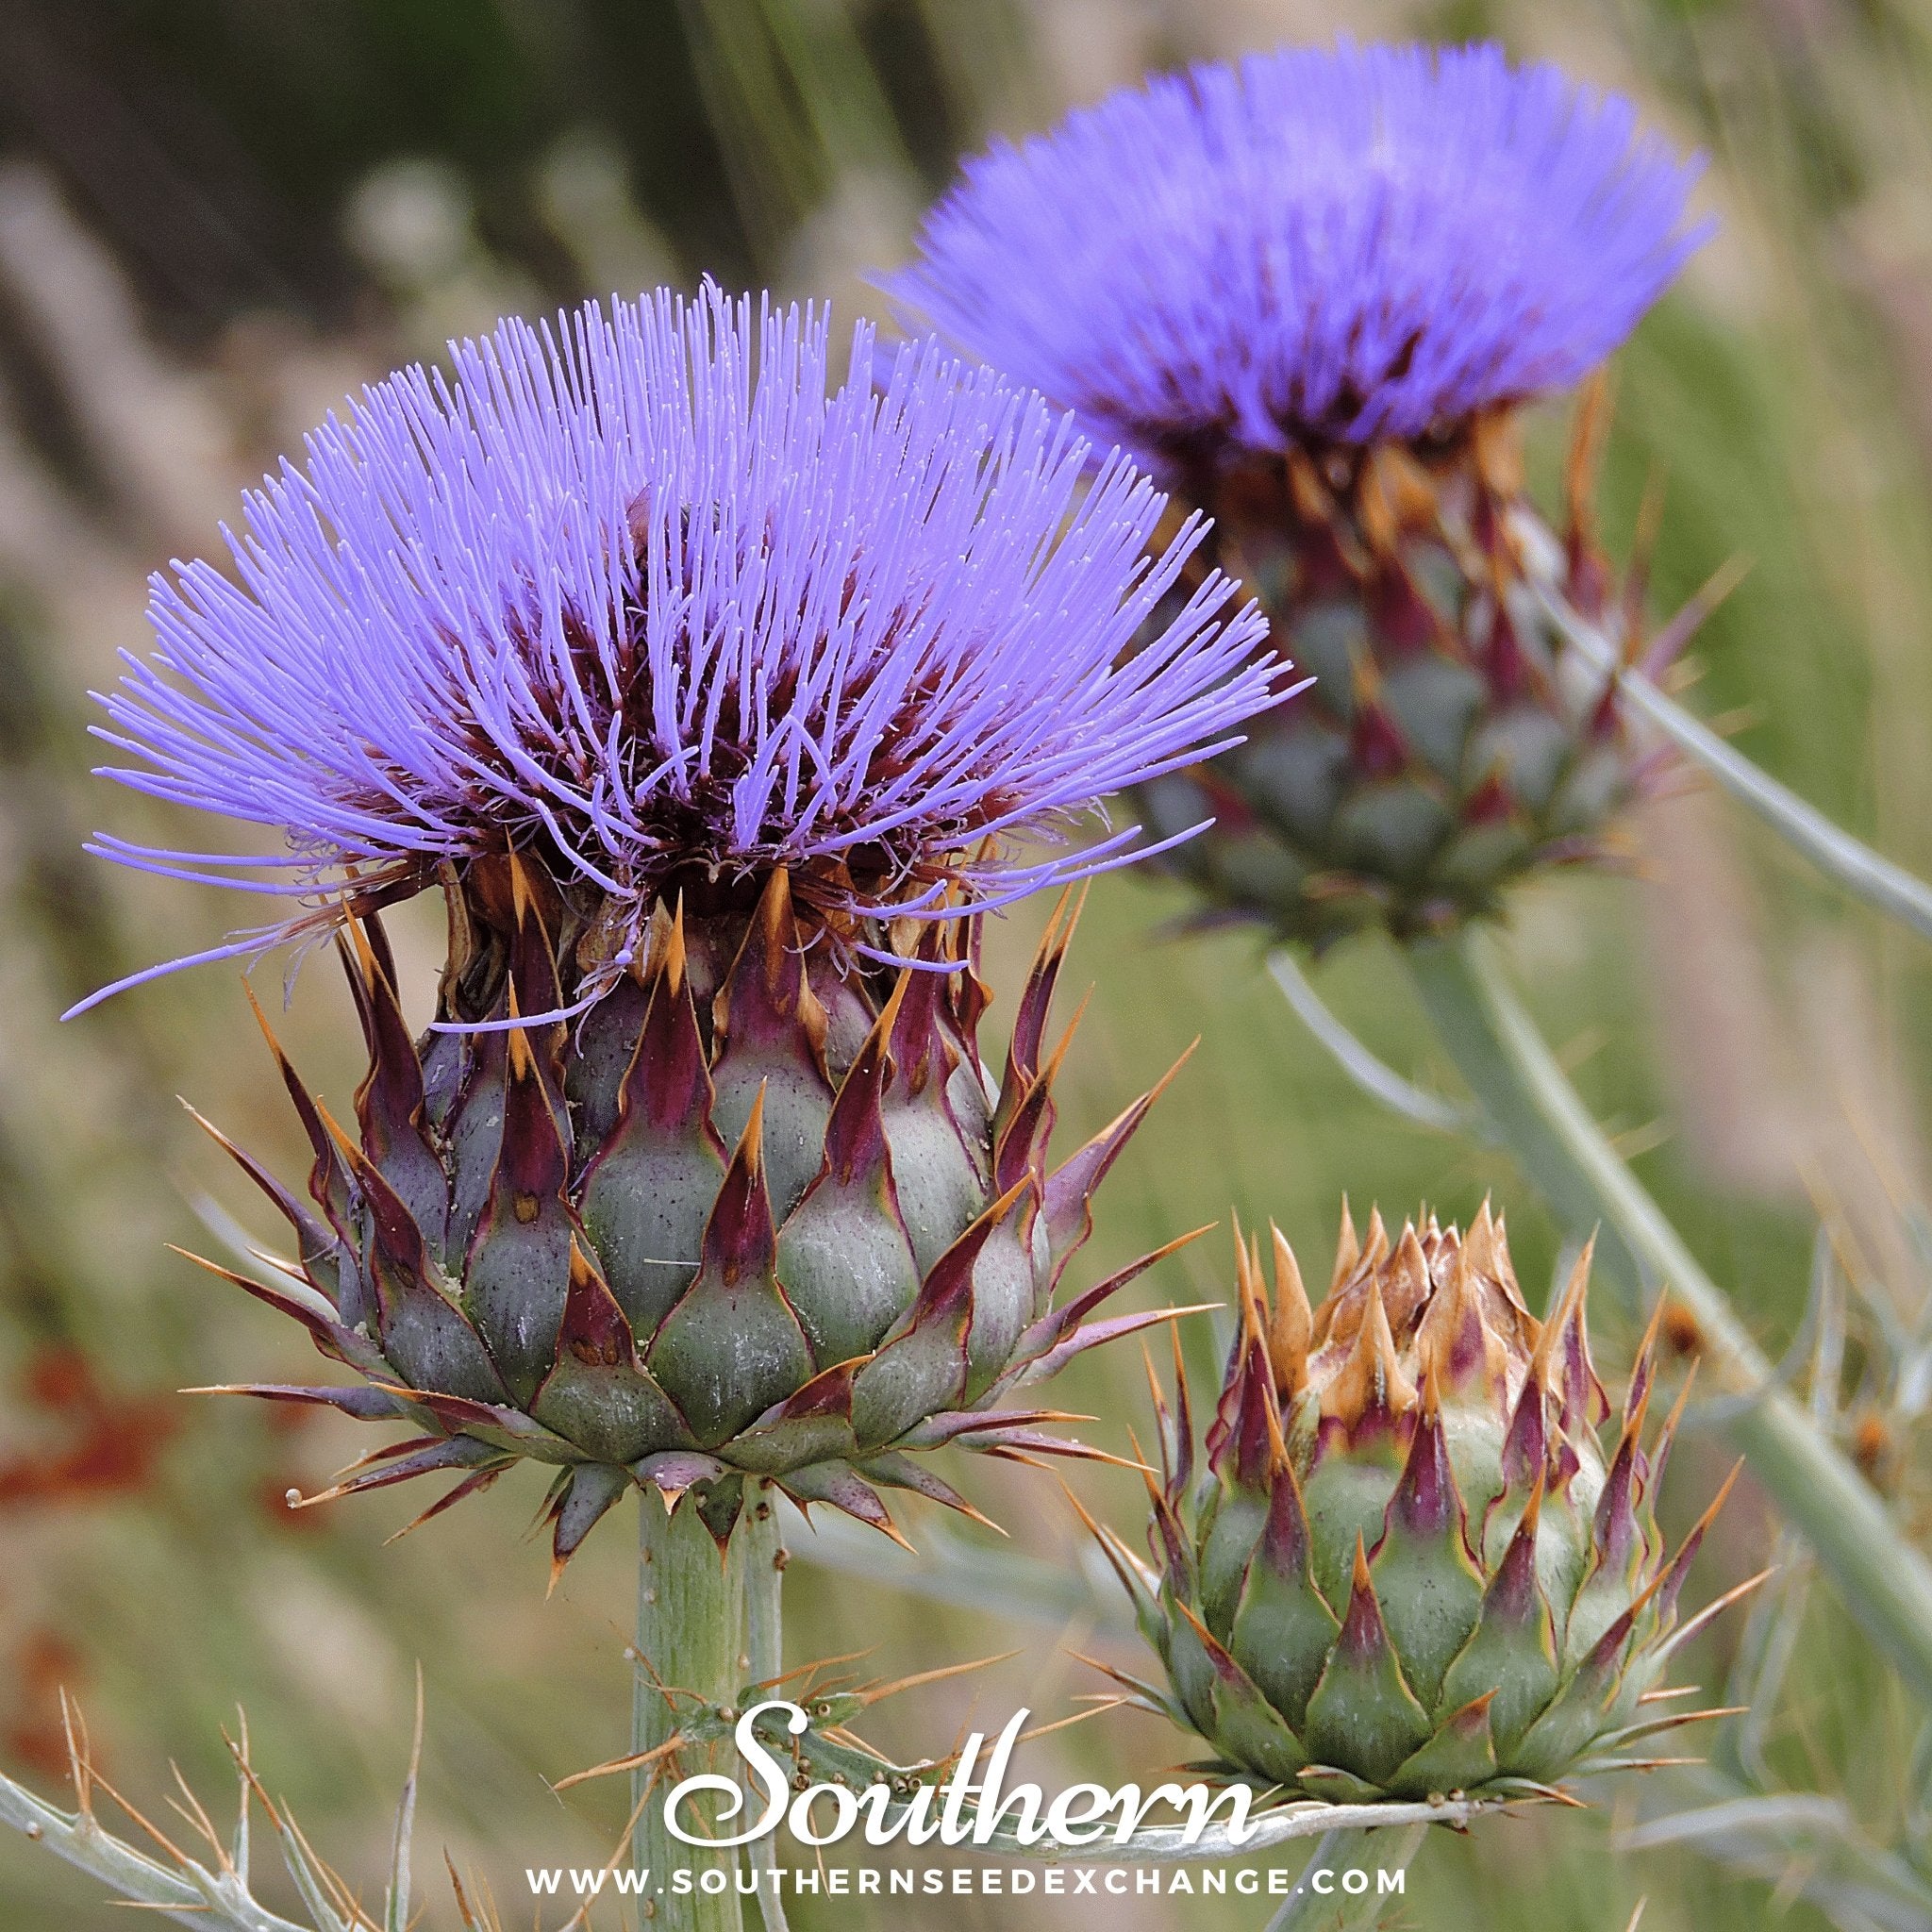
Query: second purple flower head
1313	289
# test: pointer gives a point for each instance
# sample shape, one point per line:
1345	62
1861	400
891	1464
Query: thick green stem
1882	1579
690	1635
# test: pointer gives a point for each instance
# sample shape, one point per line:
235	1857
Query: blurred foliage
216	216
215	144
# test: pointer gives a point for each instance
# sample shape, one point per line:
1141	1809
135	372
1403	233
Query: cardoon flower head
1309	247
707	697
1312	289
637	598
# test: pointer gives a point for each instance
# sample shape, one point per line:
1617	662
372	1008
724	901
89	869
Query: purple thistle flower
640	596
1314	246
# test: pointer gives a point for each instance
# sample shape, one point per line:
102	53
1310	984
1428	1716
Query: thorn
1533	1509
877	1693
1373	1374
1587	429
750	1143
1254	1319
1717	1503
1650	1334
618	1765
1570	1302
1292	1327
1348	1251
1669	644
1116	1551
216	1269
275	1045
1361	1588
522	1063
1079	1717
1644	537
350	1152
892	1531
674	951
1375	1242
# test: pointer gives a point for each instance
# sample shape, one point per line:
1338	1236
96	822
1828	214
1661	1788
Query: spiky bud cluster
754	1217
1312	289
1407	1563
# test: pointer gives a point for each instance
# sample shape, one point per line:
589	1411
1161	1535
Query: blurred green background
217	216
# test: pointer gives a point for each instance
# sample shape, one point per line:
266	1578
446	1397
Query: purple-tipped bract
639	597
1313	245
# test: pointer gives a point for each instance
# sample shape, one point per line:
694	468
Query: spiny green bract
1406	1567
762	1213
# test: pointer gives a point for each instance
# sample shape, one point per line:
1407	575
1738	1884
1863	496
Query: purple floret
640	595
1313	245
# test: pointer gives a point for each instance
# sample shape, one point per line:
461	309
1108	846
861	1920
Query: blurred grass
338	185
